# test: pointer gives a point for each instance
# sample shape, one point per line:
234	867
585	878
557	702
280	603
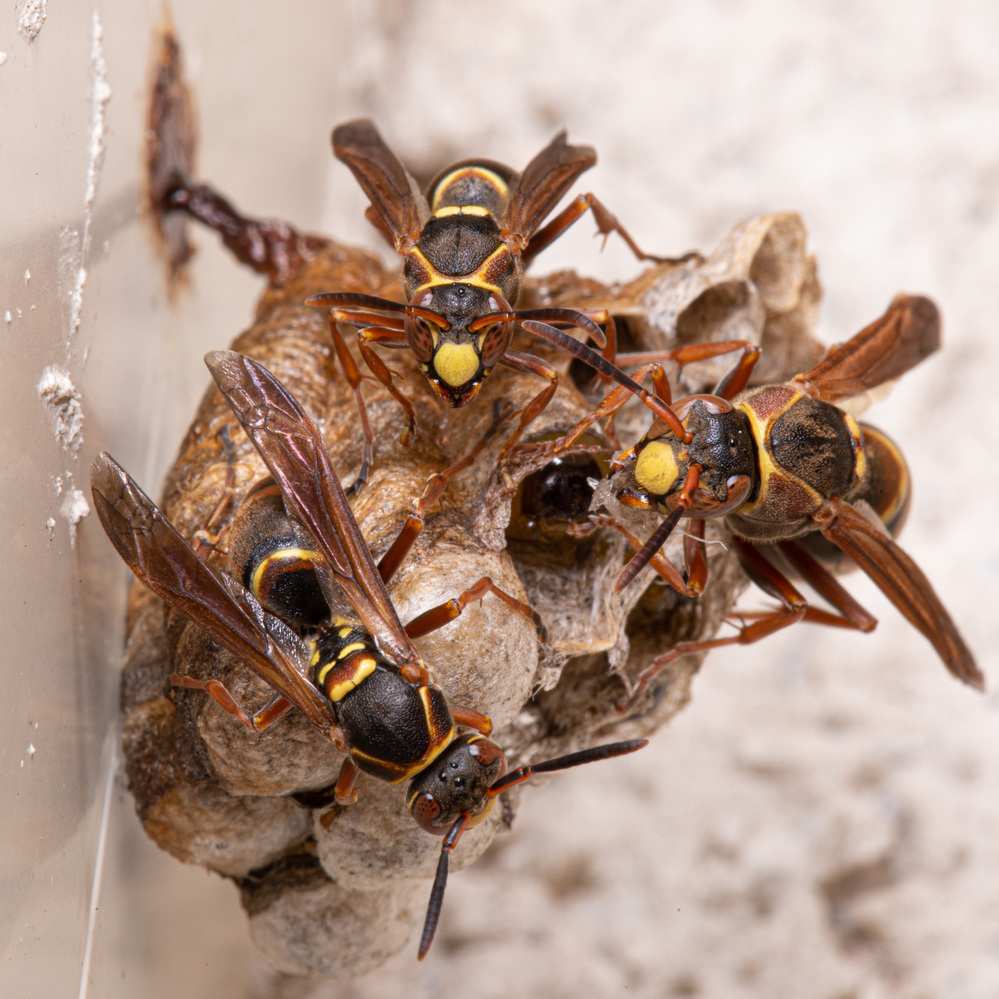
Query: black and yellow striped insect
465	245
797	479
360	681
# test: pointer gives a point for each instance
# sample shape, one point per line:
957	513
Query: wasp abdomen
885	488
274	558
482	184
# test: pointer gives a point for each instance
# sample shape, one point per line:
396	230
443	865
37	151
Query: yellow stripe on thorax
476	278
759	428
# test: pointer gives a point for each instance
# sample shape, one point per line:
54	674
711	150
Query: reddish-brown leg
345	793
528	362
391	333
795	608
729	387
274	709
482	724
207	538
437	617
432	492
607	409
606	224
659	562
353	375
389	338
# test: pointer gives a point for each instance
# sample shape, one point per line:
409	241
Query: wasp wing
399	205
294	450
897	341
543	183
157	553
906	586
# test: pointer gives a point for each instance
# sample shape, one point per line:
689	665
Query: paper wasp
360	681
793	475
465	245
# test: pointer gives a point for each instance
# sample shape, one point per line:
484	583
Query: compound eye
494	342
422	338
426	809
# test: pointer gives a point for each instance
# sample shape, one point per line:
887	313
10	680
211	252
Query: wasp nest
341	900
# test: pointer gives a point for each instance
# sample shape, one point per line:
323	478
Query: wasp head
721	447
455	783
457	351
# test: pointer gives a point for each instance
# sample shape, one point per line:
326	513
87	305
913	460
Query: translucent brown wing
293	449
897	341
401	208
906	586
543	183
157	553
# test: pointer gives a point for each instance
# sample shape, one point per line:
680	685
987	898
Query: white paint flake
99	98
64	407
27	275
30	18
74	508
8	317
31	749
3	58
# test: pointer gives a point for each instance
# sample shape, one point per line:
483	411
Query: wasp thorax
455	783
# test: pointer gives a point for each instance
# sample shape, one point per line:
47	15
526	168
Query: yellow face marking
363	668
656	470
477	818
487	175
456	363
347	650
